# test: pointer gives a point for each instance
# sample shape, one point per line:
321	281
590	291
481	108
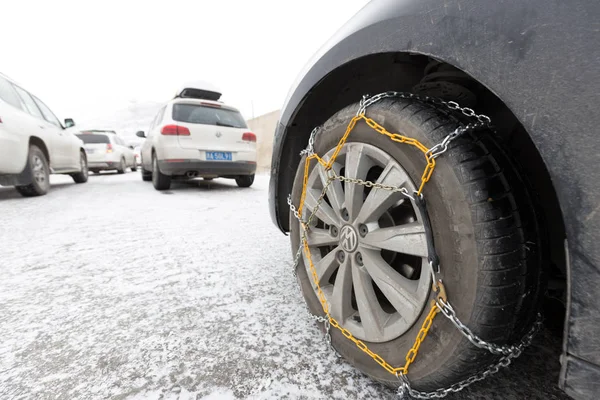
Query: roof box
199	90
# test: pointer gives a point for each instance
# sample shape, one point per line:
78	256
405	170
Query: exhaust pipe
191	174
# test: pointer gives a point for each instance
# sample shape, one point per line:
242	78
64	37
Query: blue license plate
218	156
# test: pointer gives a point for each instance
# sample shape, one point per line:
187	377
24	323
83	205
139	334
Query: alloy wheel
40	174
368	245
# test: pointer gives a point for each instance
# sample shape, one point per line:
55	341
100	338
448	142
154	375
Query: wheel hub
368	245
348	239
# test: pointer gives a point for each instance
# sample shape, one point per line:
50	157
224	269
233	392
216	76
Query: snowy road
113	290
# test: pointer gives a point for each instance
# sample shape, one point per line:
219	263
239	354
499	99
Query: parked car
107	151
507	206
195	135
34	144
137	150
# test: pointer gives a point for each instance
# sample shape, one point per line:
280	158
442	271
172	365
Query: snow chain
441	303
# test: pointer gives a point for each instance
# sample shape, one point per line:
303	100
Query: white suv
107	151
194	135
34	144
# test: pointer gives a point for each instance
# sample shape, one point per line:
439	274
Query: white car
194	135
107	151
34	144
137	150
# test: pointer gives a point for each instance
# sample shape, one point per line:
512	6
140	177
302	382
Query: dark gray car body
541	58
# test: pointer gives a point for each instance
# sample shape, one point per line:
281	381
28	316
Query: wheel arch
42	146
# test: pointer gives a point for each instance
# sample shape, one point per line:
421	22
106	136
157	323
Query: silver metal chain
507	352
406	390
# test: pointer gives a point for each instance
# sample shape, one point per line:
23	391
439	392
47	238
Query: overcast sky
87	59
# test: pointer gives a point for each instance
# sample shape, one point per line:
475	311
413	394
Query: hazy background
110	64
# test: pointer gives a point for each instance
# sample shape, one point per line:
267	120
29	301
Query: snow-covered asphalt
112	290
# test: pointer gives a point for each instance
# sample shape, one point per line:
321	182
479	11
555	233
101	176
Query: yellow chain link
438	287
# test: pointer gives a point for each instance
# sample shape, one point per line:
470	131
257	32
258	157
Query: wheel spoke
400	291
320	237
324	213
335	193
341	299
407	239
325	267
371	314
357	166
379	200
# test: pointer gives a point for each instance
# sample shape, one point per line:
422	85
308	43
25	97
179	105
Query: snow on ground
111	289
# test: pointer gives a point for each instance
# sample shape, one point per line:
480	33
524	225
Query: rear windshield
206	115
91	139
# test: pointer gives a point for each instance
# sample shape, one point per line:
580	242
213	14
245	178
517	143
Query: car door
45	130
39	127
67	143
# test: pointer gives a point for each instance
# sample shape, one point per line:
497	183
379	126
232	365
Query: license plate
218	156
89	151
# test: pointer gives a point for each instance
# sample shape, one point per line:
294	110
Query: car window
28	102
207	115
8	94
93	139
48	115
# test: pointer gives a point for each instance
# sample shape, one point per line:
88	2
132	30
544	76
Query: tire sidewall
453	232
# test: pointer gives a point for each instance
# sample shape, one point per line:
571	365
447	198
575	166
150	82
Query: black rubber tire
34	188
159	180
134	168
481	216
146	175
82	176
122	167
245	181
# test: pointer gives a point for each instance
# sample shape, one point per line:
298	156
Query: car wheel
37	164
159	180
245	180
377	285
82	176
133	166
122	166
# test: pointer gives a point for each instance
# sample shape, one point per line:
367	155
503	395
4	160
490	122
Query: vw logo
218	134
348	239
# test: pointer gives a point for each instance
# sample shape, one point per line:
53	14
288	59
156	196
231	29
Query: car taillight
175	130
249	137
109	148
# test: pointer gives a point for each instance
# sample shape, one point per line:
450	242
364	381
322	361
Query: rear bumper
103	165
208	168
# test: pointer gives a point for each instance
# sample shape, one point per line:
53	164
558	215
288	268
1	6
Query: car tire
146	175
481	216
39	170
122	167
133	166
82	176
159	180
245	181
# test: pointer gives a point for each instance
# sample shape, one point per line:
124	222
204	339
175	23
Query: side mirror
131	147
69	122
140	134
